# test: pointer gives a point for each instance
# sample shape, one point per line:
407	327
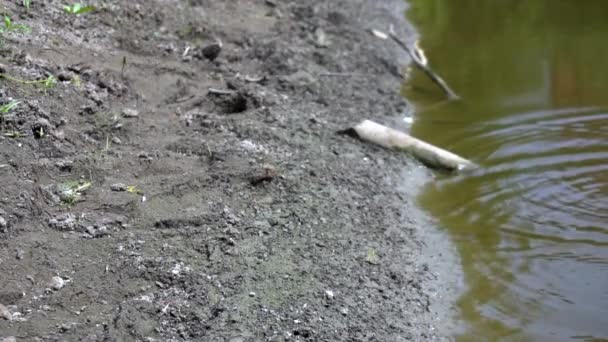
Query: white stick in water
425	152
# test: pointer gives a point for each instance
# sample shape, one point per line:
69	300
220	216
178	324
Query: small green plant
132	189
106	148
47	83
4	109
71	192
27	4
76	81
14	134
39	133
10	26
372	257
78	9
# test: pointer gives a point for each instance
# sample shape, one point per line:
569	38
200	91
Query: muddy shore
138	205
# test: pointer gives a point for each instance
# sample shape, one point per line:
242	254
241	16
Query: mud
182	180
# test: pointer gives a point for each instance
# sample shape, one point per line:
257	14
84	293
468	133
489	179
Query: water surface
531	225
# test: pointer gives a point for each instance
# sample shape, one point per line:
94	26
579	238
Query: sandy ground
138	205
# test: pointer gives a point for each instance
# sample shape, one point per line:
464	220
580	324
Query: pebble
118	187
3	223
251	294
211	51
321	38
9	339
91	230
2	68
65	221
57	283
5	314
329	294
130	113
299	79
64	165
20	254
263	173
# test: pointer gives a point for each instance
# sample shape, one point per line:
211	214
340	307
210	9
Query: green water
531	224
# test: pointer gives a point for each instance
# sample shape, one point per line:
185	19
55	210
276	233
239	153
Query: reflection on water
531	225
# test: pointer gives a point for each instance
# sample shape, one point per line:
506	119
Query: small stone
64	222
2	68
57	283
116	141
118	187
102	231
299	79
265	173
252	294
5	314
9	339
91	230
3	223
64	165
344	311
130	113
211	51
20	254
144	155
329	294
321	38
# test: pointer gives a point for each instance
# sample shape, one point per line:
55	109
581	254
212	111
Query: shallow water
531	224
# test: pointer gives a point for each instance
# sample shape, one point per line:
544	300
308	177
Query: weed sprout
78	9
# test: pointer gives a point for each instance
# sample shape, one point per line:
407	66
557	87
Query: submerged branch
427	70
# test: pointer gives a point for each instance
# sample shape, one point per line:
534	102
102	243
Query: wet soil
172	187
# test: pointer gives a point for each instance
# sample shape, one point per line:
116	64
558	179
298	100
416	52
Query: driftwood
422	65
428	154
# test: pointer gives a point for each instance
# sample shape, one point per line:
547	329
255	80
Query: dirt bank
136	205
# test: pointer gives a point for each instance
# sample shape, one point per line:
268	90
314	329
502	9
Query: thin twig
427	70
251	79
215	91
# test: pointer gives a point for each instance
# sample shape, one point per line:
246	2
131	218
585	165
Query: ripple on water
531	224
542	185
